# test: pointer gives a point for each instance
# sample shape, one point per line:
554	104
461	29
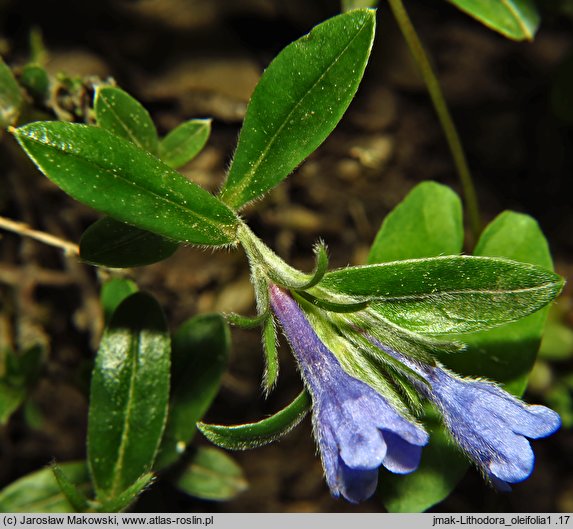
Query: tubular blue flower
488	423
491	425
357	430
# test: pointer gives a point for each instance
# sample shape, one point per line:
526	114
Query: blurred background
512	103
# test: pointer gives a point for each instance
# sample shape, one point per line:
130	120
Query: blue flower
489	424
357	430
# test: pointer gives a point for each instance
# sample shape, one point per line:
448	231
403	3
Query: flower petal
362	449
401	456
329	455
357	485
514	459
532	421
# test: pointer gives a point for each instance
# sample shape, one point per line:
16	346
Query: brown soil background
201	58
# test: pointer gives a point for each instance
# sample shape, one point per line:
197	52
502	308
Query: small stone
78	62
376	110
349	169
297	218
214	86
236	297
373	152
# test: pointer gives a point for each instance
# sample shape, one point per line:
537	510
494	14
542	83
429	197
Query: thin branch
24	230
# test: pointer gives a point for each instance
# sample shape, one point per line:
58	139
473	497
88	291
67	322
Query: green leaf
184	142
507	354
515	19
128	496
129	395
252	435
515	236
441	468
113	292
298	101
10	96
40	492
451	294
271	355
21	370
560	398
427	223
200	354
212	475
557	343
121	114
73	494
36	81
113	176
108	242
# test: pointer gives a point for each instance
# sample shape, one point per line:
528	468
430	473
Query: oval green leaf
212	475
10	96
450	294
252	435
298	101
129	396
427	223
36	81
557	343
113	292
184	142
108	242
113	176
515	19
40	492
124	116
199	358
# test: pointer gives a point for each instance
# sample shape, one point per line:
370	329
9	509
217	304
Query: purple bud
357	430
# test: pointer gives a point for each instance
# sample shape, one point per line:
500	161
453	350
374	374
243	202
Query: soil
200	58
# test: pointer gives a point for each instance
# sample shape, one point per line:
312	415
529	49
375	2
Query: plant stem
263	257
435	91
24	230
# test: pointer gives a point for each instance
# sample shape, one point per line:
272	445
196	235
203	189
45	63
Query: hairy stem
435	91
